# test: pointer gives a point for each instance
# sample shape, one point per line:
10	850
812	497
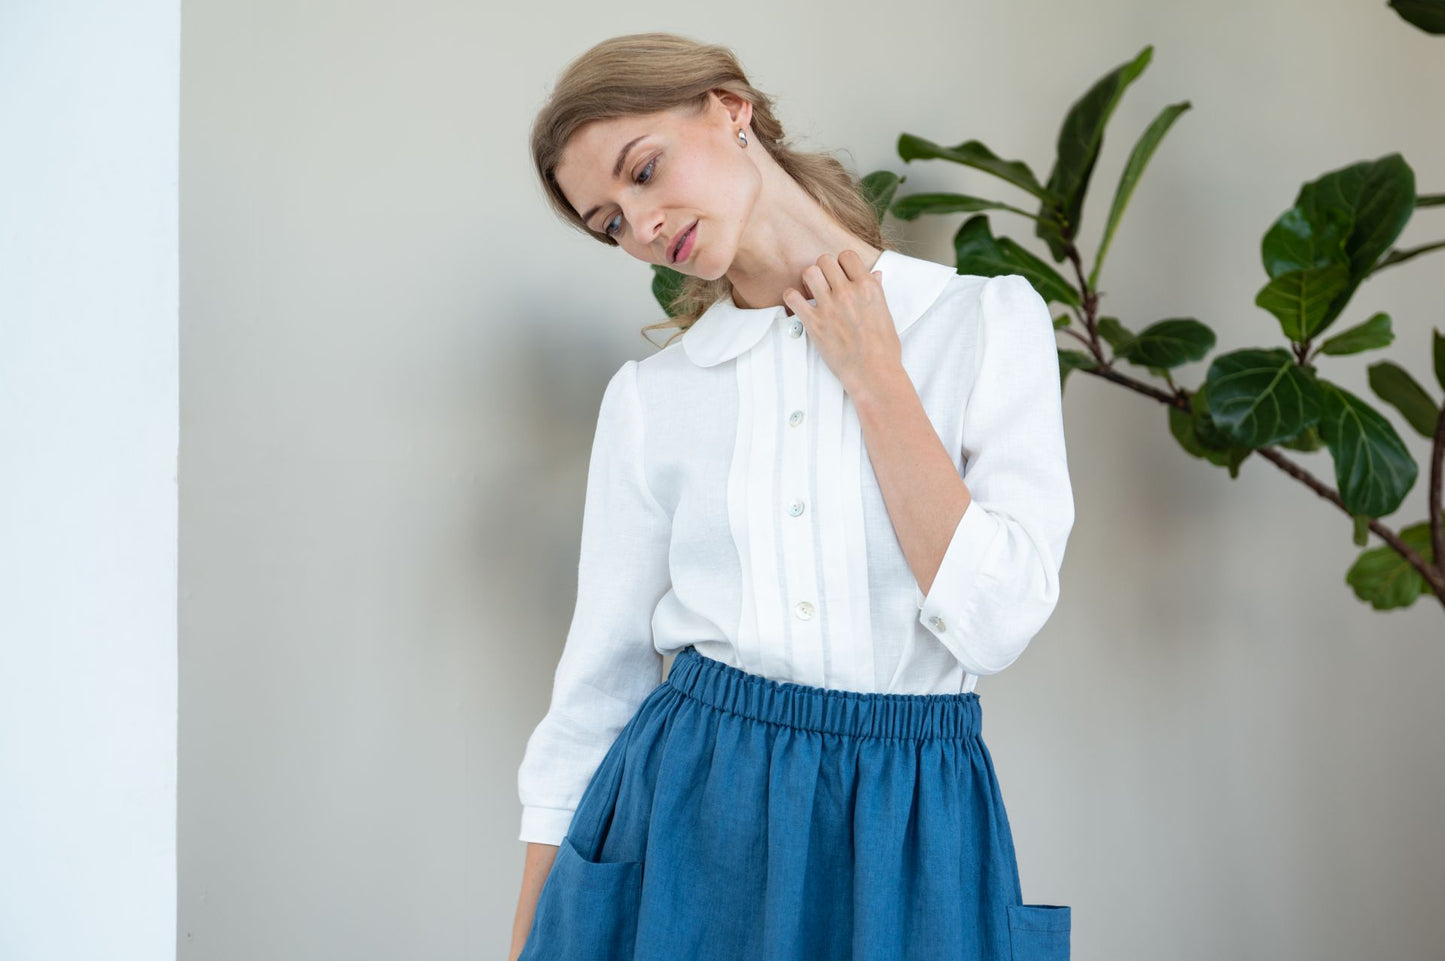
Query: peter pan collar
725	330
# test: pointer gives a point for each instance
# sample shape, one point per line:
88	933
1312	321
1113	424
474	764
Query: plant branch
1148	390
1078	336
1091	301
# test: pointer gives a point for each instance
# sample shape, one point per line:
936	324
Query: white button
795	508
795	329
795	418
804	610
937	623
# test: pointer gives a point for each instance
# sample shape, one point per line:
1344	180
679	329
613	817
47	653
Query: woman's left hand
851	324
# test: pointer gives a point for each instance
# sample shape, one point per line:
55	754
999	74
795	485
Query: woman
839	497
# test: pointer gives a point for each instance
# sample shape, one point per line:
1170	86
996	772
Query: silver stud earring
742	138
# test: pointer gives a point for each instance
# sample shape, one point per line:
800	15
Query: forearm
921	487
534	874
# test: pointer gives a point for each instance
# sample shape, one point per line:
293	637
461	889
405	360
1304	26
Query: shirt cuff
545	825
948	609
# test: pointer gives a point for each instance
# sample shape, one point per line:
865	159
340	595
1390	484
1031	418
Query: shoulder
663	370
970	298
642	386
1010	293
998	290
664	358
1002	299
962	290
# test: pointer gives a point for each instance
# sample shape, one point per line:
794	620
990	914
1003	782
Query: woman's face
678	169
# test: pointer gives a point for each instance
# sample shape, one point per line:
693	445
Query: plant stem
1091	302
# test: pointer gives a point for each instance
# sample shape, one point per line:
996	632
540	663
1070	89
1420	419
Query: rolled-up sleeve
998	582
608	663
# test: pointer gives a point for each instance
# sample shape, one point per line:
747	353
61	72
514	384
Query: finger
796	301
852	263
830	268
816	281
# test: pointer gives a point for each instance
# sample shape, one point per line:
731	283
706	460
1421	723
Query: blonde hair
645	73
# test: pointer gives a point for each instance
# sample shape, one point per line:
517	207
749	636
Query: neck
789	232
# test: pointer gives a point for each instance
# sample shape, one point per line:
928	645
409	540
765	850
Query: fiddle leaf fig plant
1256	400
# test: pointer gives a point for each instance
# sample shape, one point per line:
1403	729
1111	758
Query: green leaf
1375	198
1114	332
1394	385
910	207
1257	397
1181	426
979	252
1080	138
1133	170
1381	196
1197	434
1428	15
1308	439
1073	360
1400	256
972	153
1383	577
1299	240
666	285
878	188
1168	343
1373	469
1062	321
1371	335
1301	299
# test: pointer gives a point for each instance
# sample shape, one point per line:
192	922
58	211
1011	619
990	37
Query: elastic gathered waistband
854	713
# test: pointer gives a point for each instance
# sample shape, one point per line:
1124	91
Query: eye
607	227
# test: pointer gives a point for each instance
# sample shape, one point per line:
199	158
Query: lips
681	239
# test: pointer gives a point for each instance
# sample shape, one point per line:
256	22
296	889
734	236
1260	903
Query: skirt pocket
586	911
1039	932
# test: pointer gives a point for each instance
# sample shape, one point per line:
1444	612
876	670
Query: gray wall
392	360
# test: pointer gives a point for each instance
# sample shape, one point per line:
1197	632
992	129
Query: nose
648	221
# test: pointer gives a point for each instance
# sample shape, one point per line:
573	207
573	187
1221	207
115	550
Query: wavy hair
644	73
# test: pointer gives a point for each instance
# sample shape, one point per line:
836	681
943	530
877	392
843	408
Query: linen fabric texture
731	507
736	817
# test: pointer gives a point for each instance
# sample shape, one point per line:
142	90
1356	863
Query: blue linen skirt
738	818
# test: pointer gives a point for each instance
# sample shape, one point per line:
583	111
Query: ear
740	110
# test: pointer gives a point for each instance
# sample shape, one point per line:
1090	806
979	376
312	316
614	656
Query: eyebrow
616	171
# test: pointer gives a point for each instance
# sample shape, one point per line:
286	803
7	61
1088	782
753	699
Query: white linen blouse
731	505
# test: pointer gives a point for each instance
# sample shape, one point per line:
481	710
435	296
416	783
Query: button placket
797	521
